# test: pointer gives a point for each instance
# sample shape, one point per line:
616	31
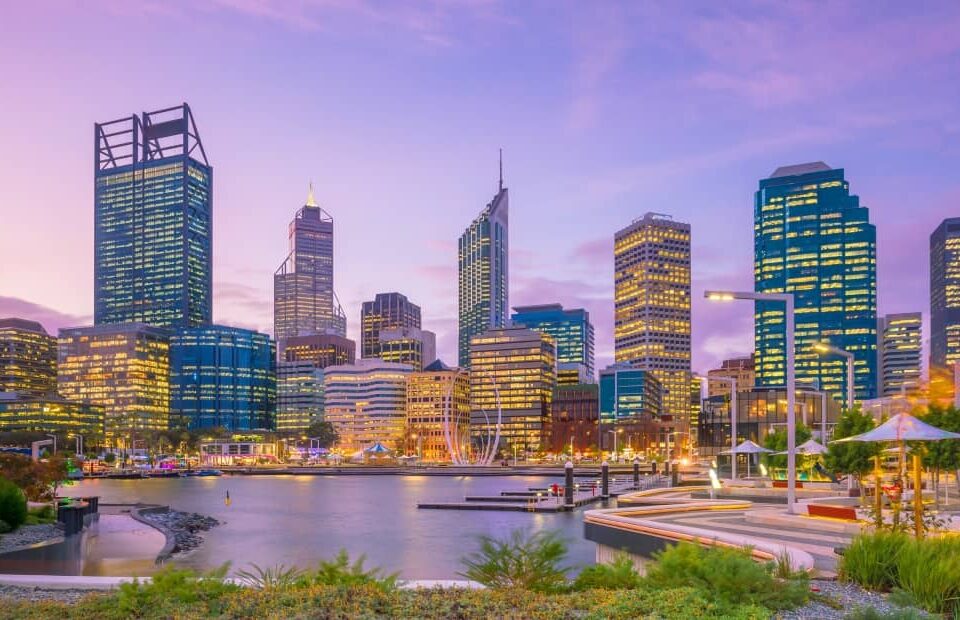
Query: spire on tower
311	201
501	170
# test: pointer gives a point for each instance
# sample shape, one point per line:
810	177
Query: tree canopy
854	457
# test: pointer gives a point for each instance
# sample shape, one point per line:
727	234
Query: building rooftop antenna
501	170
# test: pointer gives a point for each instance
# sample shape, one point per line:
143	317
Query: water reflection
299	520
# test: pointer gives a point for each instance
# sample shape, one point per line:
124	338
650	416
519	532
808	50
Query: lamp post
825	348
615	433
787	300
54	443
732	382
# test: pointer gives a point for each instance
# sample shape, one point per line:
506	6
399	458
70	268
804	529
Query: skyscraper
28	358
223	377
386	311
899	351
153	221
300	399
813	239
514	367
125	368
573	332
483	271
945	293
304	301
652	308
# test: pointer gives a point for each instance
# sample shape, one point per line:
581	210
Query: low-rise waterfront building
238	451
28	358
49	414
574	419
429	393
513	369
299	396
366	403
125	368
223	377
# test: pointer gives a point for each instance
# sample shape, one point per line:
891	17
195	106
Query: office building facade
740	369
222	377
945	294
899	350
631	407
300	397
153	223
513	368
408	345
28	358
304	301
124	368
573	333
322	349
387	311
366	403
812	238
574	420
50	413
652	308
483	272
429	392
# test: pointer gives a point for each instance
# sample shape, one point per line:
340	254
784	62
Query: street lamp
787	299
615	433
54	443
732	382
825	348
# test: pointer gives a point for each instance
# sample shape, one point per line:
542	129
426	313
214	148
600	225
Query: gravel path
186	527
43	594
847	596
29	535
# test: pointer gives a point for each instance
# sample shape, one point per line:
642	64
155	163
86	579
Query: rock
30	535
184	526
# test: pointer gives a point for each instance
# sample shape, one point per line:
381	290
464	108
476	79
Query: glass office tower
573	332
385	311
223	377
900	346
813	239
153	221
28	358
304	301
631	404
945	294
483	272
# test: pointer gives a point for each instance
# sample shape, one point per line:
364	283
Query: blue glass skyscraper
573	333
153	221
813	239
222	377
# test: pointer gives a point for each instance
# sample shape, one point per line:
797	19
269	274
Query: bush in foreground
620	574
13	506
527	561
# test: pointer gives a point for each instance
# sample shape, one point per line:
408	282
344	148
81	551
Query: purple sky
396	110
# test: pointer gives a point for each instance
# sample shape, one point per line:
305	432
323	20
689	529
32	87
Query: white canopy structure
747	447
902	427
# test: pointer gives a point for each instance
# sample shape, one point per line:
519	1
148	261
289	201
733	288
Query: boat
209	472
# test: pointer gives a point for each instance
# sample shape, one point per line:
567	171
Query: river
299	520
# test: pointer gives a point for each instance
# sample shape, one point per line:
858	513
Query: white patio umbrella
747	447
809	447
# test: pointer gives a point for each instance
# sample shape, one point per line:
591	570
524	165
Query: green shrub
870	613
525	561
270	578
13	505
929	569
41	514
342	573
173	586
729	575
620	574
673	603
871	560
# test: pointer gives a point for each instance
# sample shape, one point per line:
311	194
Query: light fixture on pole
825	348
787	300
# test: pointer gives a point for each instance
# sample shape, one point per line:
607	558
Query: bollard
636	472
568	487
605	480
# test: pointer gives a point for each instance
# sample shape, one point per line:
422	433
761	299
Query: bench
846	513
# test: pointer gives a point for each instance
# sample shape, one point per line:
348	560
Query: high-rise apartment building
408	345
322	349
513	368
300	398
740	369
125	368
945	293
573	333
222	377
304	301
813	239
652	308
366	403
899	350
386	311
429	392
153	221
483	272
28	358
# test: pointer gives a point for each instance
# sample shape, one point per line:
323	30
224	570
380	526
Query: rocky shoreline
30	535
186	527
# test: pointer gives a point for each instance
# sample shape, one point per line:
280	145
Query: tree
777	441
943	455
856	457
324	433
39	480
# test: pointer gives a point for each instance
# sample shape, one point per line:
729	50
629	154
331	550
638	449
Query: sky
396	111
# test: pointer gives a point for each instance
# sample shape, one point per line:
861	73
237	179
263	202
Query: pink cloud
51	319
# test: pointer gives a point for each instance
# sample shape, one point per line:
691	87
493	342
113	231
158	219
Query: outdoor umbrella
747	447
809	447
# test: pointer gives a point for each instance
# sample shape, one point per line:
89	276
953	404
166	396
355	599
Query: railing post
568	486
605	480
636	472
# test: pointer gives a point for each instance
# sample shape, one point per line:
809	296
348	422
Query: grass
41	515
871	560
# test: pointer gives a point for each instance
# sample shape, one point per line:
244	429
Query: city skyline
891	165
